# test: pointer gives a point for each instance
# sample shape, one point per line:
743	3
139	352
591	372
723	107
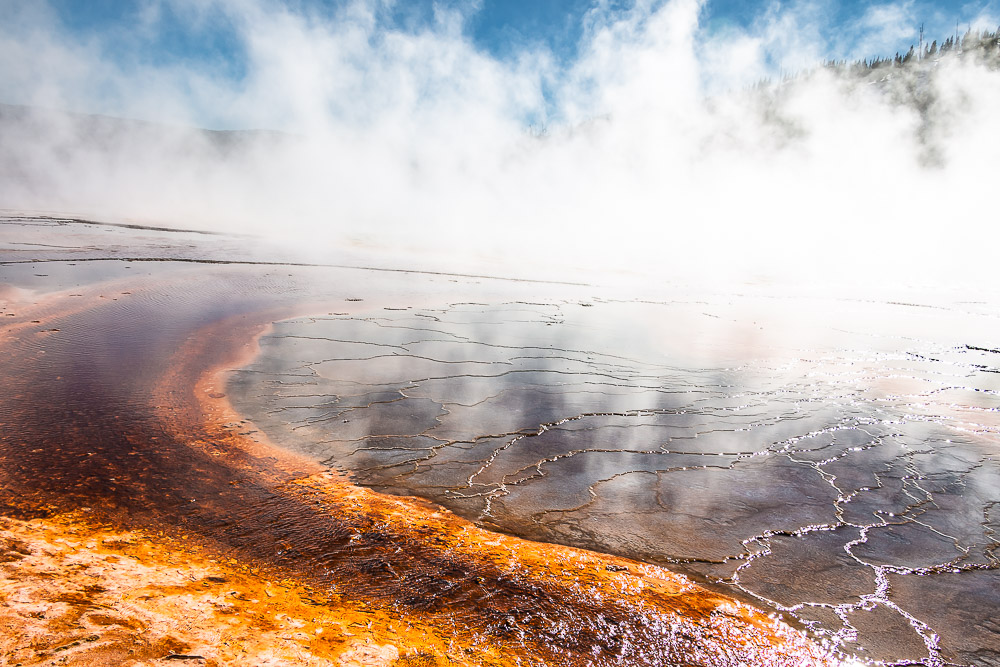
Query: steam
647	152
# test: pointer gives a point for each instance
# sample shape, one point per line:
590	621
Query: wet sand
142	514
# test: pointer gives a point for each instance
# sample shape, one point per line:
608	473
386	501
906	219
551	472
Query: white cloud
883	25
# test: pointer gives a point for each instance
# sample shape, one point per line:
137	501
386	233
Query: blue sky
150	40
179	60
504	27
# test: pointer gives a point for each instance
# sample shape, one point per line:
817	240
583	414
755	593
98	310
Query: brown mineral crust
73	591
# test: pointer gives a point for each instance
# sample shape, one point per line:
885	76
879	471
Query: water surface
832	458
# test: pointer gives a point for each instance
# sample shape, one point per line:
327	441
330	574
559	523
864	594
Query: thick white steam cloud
647	152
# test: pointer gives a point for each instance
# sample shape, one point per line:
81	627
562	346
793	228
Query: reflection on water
833	459
105	412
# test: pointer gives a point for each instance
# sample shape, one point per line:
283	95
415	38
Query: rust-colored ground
72	592
188	539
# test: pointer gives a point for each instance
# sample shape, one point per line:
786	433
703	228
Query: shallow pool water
833	459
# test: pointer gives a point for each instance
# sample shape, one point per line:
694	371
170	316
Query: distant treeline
983	46
904	80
